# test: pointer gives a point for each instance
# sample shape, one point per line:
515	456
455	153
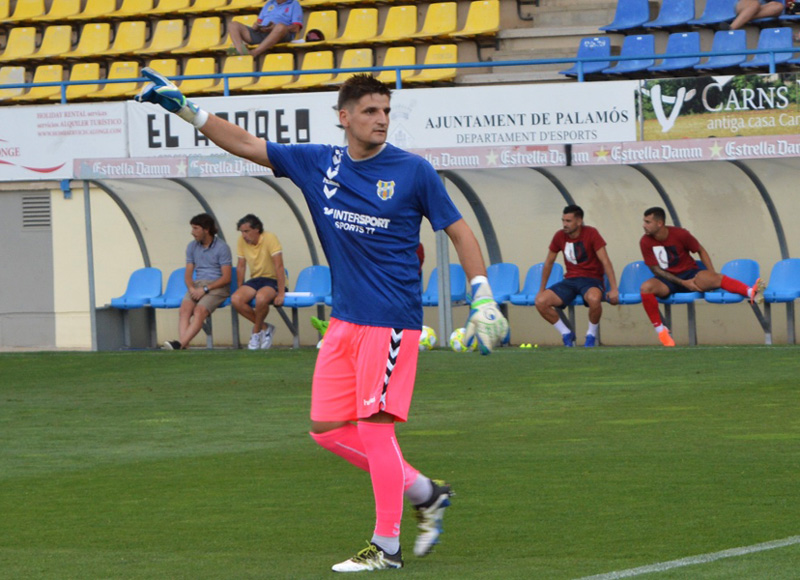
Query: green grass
566	463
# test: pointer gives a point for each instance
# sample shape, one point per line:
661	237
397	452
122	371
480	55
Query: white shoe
266	337
429	518
369	559
255	340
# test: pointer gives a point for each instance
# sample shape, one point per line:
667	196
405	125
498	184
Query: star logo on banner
491	157
181	167
601	154
715	149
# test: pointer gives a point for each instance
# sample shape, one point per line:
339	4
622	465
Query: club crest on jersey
385	189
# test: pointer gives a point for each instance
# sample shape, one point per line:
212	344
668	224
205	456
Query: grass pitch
566	463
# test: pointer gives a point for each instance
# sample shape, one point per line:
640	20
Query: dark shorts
257	36
676	288
569	288
259	283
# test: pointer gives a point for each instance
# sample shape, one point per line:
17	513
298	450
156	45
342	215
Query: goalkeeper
367	201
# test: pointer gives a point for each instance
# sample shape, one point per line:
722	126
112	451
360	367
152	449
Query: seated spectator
747	10
278	21
210	257
262	254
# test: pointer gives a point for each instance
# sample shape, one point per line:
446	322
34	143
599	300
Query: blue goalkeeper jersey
368	214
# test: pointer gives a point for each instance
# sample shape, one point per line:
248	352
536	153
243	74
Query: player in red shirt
667	251
587	260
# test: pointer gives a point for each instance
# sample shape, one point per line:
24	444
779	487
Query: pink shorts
362	370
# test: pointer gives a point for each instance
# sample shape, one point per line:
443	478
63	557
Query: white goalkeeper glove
486	323
161	91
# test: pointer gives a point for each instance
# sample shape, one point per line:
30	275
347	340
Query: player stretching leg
365	371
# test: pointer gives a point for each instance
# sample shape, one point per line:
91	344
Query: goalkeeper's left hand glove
486	323
161	91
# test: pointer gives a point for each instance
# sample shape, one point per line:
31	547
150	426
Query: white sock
389	545
419	491
561	327
592	329
659	328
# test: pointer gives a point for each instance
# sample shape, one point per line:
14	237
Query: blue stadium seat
143	285
630	14
639	45
716	12
173	293
596	47
680	43
774	38
458	287
631	280
504	280
726	41
673	13
533	280
744	270
783	287
313	287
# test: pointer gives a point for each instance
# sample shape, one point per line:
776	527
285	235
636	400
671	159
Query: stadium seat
45	73
169	7
400	24
673	13
94	39
21	44
642	46
783	287
716	12
458	287
504	280
631	280
119	70
353	58
197	67
772	38
726	41
312	288
130	38
533	281
5	10
398	56
440	20
144	284
205	34
10	75
166	66
26	11
167	37
326	21
322	59
629	15
437	54
680	43
174	292
239	5
200	6
224	43
231	65
61	10
273	62
596	47
83	71
744	270
95	9
362	23
133	9
483	19
56	41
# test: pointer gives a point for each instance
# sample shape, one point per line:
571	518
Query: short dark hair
576	209
206	222
252	221
656	212
359	85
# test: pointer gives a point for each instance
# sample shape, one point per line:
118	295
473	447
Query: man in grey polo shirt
210	257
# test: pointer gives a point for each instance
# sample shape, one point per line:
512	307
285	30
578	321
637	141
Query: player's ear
344	118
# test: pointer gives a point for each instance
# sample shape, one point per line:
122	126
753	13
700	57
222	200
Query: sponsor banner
687	150
720	107
224	166
41	142
495	157
133	168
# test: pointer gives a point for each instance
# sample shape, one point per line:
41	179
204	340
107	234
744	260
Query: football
427	339
458	341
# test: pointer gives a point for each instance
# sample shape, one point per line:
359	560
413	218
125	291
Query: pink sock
734	286
346	443
387	470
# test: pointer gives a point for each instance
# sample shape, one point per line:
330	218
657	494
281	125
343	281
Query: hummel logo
330	173
368	402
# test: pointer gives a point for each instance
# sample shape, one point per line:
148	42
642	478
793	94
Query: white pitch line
694	560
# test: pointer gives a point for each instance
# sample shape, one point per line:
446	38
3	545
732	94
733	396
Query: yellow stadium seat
204	6
362	23
10	75
45	73
21	44
167	36
326	21
240	5
321	59
200	66
353	58
395	56
26	11
317	3
437	54
401	23
234	64
95	9
83	71
95	39
119	70
273	62
169	6
440	20
130	38
204	34
56	41
133	9
166	66
225	42
61	10
483	19
5	10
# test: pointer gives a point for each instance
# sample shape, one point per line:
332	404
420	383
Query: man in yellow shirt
261	253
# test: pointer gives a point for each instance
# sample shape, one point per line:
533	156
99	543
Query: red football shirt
671	254
580	254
